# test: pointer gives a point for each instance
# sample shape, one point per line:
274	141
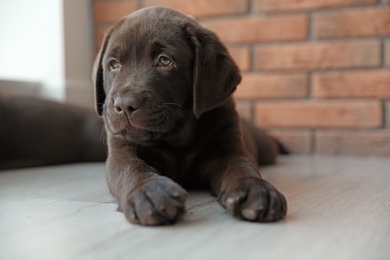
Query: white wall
49	41
31	44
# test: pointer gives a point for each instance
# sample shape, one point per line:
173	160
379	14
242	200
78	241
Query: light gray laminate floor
339	208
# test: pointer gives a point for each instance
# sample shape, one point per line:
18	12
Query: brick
260	29
296	141
352	23
299	5
99	35
202	8
113	11
241	56
387	51
244	109
323	55
355	143
353	84
320	114
263	86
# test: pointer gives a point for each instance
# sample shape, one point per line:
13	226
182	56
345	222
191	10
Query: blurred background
46	49
316	73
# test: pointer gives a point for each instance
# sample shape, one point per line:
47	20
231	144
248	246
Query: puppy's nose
126	105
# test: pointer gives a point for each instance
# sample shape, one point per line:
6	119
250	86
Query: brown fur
163	87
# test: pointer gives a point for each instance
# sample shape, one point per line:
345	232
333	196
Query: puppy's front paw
159	201
254	200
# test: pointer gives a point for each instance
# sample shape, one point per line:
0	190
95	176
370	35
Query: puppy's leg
144	196
242	191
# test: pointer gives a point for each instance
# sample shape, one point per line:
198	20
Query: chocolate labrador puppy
163	87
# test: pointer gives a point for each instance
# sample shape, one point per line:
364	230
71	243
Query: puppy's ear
215	75
97	75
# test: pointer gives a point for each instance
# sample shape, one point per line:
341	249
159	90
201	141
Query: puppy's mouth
142	126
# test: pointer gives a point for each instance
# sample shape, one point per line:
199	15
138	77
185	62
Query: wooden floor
339	208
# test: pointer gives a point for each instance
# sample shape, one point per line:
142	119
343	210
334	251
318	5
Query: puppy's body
37	132
163	86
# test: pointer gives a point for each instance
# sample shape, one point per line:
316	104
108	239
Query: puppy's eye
113	64
164	61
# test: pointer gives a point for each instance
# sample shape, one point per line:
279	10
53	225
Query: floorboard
339	208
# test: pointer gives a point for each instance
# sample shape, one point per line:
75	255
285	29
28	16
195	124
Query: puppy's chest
177	164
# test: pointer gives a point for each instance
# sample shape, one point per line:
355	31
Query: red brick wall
316	73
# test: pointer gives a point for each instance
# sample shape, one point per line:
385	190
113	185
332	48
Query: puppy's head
155	68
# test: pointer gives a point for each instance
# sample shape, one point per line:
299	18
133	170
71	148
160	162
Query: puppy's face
147	69
157	68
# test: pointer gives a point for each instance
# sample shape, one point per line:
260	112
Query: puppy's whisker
171	104
166	113
156	121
